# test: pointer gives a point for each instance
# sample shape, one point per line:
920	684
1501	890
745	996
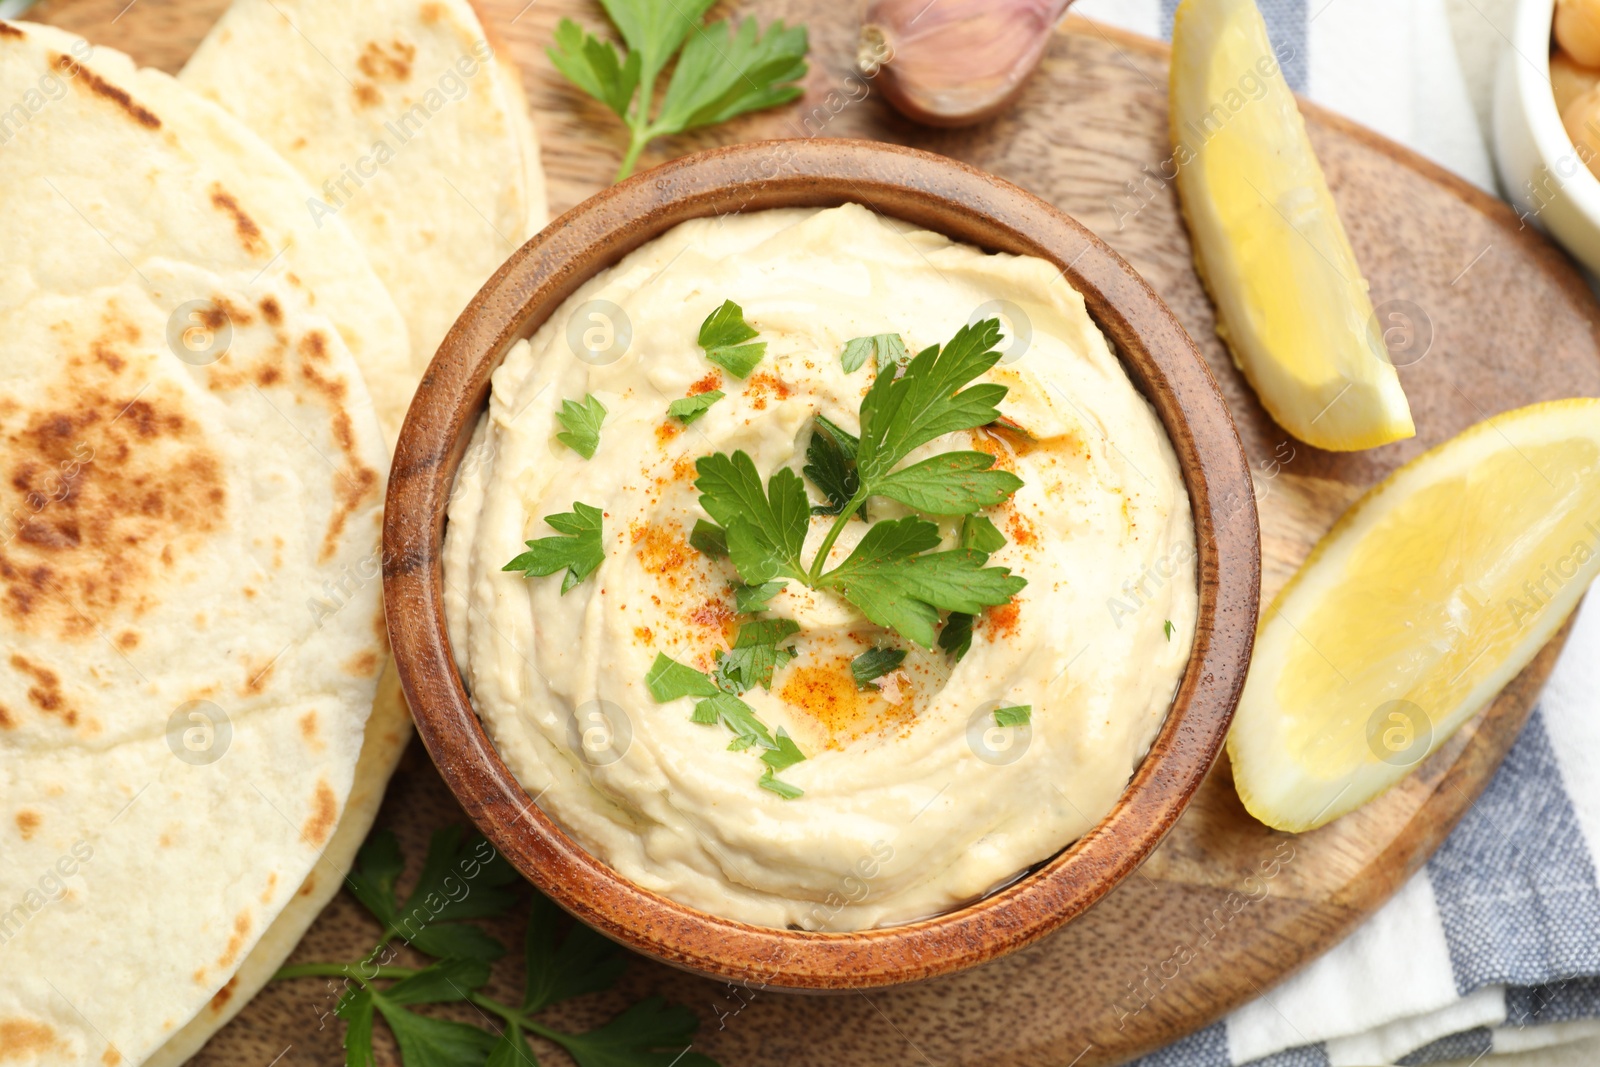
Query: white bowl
1540	170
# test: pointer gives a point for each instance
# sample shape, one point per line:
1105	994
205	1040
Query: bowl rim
968	205
1531	36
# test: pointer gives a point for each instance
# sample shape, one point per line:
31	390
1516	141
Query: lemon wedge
1429	595
1291	302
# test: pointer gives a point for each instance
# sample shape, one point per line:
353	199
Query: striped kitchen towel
1494	947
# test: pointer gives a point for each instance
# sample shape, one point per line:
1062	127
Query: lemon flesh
1291	302
1431	593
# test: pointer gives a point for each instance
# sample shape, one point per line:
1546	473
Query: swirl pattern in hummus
914	800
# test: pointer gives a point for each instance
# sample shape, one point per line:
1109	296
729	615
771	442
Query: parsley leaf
655	30
578	551
894	586
722	336
457	941
371	880
785	755
709	538
856	352
956	637
886	349
722	72
725	72
428	1042
594	66
1016	715
355	1008
584	961
511	1050
690	408
455	856
752	598
1007	425
979	533
582	422
668	680
1168	628
652	1033
765	531
830	464
849	443
445	981
431	917
873	664
738	717
783	789
755	655
928	400
951	483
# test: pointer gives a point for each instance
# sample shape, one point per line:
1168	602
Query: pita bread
406	123
193	476
388	730
330	261
527	142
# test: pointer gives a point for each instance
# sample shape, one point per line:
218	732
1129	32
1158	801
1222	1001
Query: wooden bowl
969	206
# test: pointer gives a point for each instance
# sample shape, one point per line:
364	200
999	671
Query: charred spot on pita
390	62
249	233
82	75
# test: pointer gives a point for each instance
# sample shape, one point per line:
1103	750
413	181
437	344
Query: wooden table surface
1500	318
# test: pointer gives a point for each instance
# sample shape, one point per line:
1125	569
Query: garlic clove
954	62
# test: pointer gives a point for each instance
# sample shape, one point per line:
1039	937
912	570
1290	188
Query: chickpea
1577	27
1570	79
1582	120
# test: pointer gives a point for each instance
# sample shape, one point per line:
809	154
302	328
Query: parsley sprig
893	576
722	71
885	350
1015	715
831	466
463	878
723	335
581	425
873	664
577	550
755	654
690	408
752	598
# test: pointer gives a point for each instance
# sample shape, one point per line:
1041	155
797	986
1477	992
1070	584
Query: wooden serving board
1503	319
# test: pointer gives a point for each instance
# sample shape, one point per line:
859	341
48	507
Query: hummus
915	800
